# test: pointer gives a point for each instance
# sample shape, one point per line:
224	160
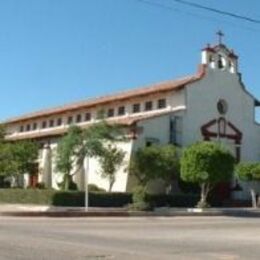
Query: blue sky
59	51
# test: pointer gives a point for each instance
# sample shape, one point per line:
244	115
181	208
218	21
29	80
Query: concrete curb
124	213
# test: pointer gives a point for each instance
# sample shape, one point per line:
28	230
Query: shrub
71	185
94	187
40	185
26	196
96	199
140	199
4	183
170	200
68	198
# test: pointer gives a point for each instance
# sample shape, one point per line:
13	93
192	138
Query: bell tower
219	57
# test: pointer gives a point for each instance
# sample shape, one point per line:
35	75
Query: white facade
190	109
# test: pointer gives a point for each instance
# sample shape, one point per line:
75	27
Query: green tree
7	166
155	162
250	172
78	143
67	154
2	133
18	157
206	163
110	161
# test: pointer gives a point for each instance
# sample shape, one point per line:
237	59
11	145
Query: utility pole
86	170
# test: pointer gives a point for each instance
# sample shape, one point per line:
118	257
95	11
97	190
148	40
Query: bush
26	196
96	199
4	183
72	185
40	185
64	198
110	199
68	198
140	201
170	200
94	187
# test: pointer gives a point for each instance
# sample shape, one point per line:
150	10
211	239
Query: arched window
222	106
220	62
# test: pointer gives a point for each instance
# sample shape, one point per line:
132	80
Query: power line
178	11
234	15
160	5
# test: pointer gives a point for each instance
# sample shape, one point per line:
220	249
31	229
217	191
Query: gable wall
202	98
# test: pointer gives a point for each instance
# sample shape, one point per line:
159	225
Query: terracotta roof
138	92
124	121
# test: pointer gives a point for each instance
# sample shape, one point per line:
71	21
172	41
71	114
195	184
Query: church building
213	104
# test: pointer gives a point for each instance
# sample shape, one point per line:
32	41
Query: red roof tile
138	92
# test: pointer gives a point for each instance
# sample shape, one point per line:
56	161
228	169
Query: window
136	108
70	120
151	141
222	106
51	123
87	117
28	127
35	126
148	106
78	118
101	113
121	110
59	121
110	112
21	128
44	124
221	62
176	130
162	103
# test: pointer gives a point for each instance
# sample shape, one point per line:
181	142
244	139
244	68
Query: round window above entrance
222	106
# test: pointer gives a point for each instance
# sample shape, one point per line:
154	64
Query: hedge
60	198
26	196
96	199
176	200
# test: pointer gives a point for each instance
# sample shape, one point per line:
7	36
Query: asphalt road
130	238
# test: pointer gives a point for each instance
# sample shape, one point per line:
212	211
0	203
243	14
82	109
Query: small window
70	120
148	143
87	117
121	110
136	108
35	126
222	106
162	103
101	113
21	128
51	123
148	105
28	127
110	112
59	121
79	118
220	62
151	141
44	124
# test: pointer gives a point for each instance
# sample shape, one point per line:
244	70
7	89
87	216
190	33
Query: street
130	238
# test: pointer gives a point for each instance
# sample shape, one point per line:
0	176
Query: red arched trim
221	126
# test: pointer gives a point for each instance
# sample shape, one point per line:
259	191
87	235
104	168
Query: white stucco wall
94	171
202	97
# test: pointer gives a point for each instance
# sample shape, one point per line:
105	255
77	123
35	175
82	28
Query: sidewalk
20	210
